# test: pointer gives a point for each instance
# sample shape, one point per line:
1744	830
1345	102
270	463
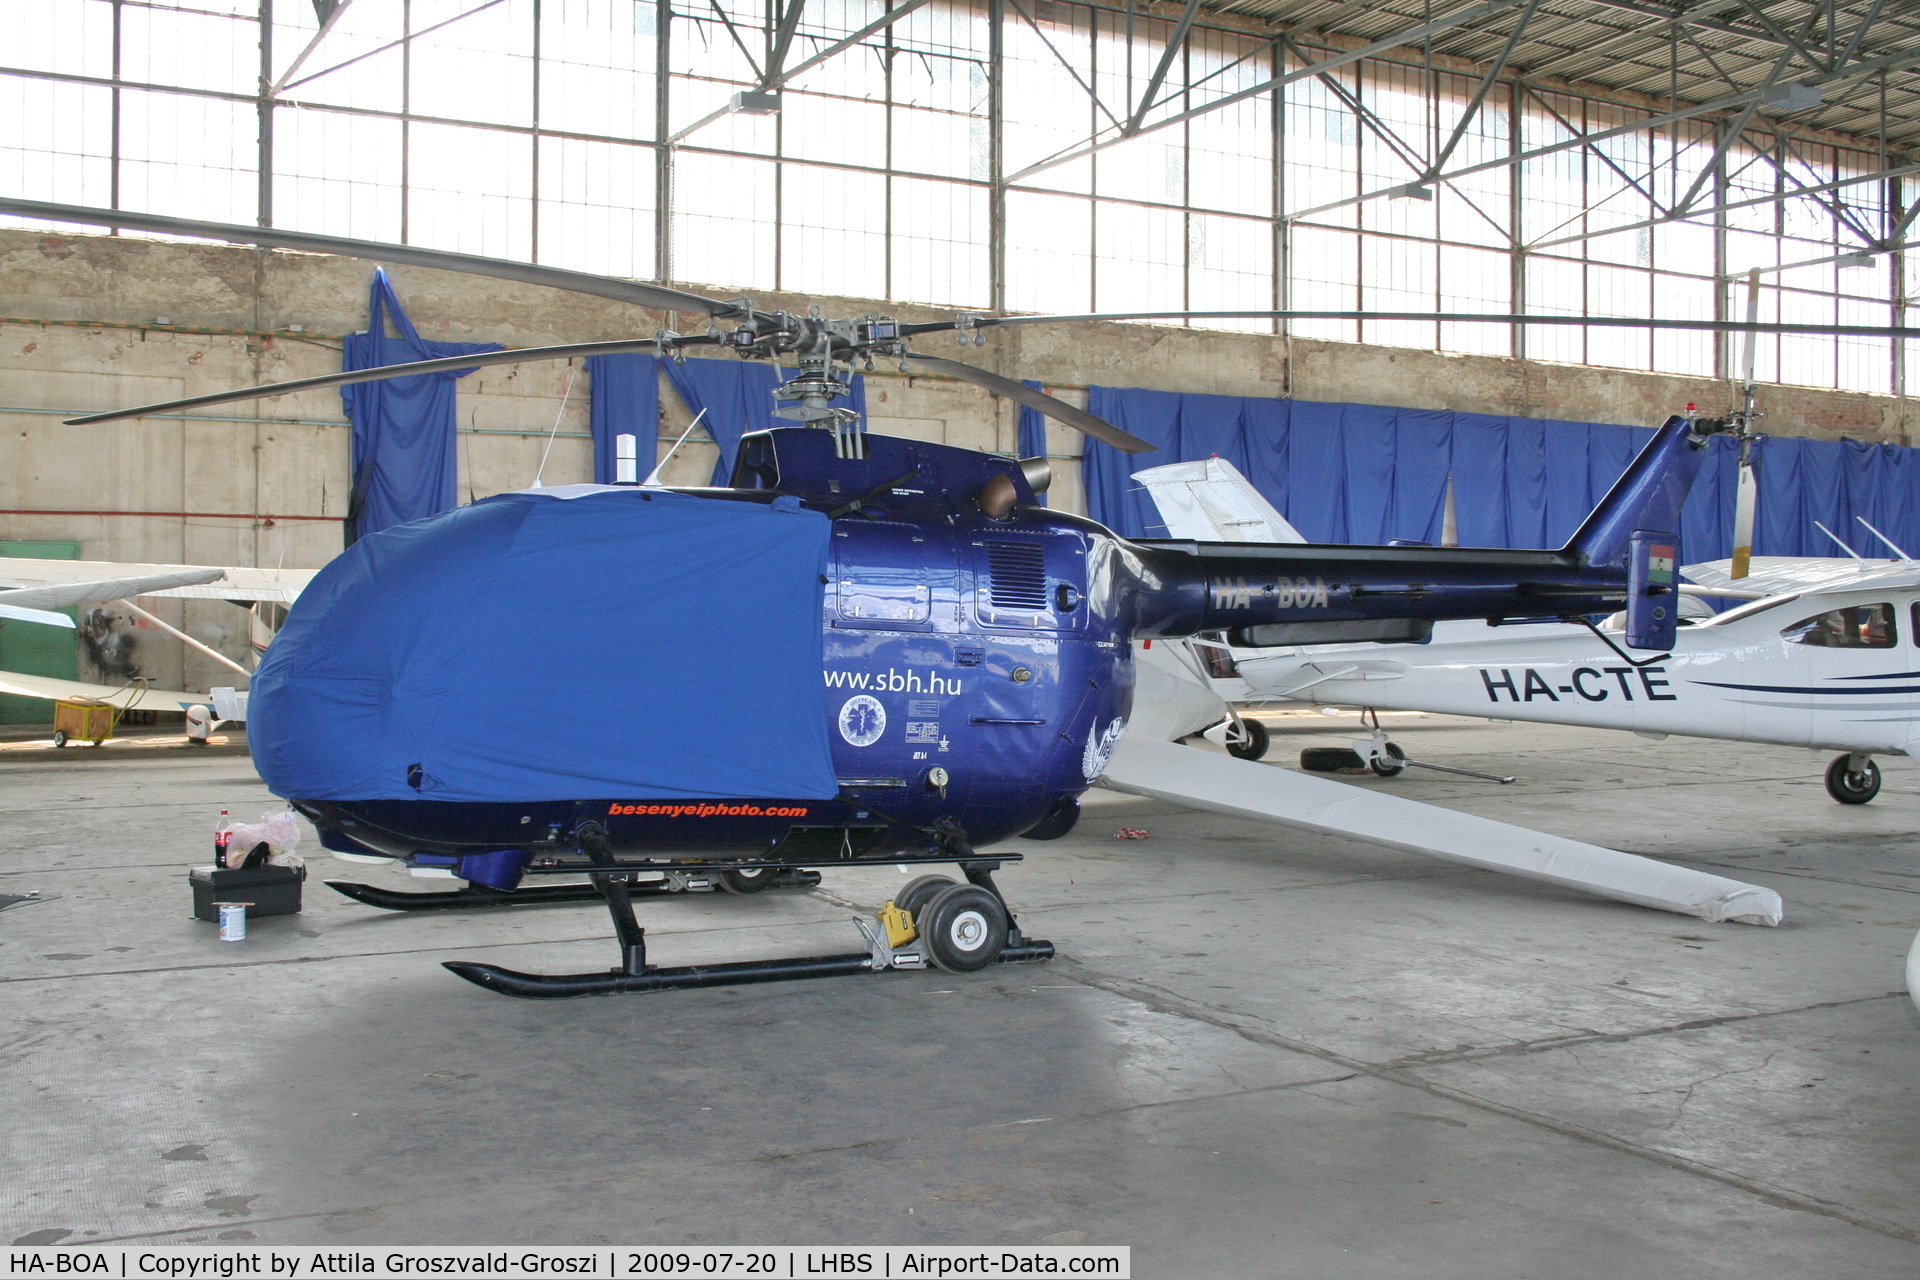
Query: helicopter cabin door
885	574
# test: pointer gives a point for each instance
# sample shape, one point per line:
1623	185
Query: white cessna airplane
1826	657
30	589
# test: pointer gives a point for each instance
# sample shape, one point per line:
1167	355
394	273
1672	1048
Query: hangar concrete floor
1259	1055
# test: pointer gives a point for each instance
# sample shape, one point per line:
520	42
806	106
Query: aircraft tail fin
1648	495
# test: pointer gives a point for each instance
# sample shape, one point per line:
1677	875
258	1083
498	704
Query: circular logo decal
862	720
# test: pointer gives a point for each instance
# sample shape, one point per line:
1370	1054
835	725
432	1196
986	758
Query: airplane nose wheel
1390	761
1247	739
1853	779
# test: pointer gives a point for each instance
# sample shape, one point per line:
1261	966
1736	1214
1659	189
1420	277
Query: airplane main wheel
918	892
1391	762
744	880
964	927
1850	786
1250	743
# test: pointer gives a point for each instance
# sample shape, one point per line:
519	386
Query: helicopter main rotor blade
1059	410
1448	317
653	296
379	373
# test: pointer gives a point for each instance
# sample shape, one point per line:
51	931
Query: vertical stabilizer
1648	495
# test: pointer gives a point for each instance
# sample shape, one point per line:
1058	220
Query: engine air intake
1017	575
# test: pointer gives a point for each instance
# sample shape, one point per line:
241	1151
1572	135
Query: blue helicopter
931	661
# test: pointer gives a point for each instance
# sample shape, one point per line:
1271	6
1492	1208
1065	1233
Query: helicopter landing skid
636	975
479	896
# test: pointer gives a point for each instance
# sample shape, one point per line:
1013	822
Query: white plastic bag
281	833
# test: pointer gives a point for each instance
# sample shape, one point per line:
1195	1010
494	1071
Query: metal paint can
233	921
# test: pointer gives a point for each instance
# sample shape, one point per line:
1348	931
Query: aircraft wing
1244	789
31	604
1170	702
1781	575
1210	501
132	697
244	584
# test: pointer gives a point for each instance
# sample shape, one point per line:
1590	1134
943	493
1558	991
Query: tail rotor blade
450	364
1059	410
1743	505
1748	489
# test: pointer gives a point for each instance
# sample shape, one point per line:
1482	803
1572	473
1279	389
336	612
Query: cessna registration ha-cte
1821	653
405	706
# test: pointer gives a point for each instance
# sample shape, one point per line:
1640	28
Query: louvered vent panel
1017	573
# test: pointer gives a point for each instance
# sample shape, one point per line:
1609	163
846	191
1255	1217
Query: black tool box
267	891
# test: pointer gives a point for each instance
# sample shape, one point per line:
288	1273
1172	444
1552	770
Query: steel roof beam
1599	154
845	43
1703	16
329	14
1730	134
1176	41
1729	103
782	40
834	50
1071	70
391	44
1472	13
1486	86
1876	176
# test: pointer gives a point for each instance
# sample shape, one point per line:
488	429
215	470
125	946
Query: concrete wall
95	322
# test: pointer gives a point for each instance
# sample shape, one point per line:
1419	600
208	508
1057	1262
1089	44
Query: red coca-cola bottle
222	837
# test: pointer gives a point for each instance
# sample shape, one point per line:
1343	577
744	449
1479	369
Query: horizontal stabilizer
1242	788
1210	501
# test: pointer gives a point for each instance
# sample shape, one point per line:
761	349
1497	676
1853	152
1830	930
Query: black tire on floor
1330	759
59	737
1253	745
1395	763
918	891
964	928
744	880
1848	787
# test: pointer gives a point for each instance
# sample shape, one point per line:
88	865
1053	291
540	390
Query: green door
33	649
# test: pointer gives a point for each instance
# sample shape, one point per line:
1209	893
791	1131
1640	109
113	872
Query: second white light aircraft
1829	659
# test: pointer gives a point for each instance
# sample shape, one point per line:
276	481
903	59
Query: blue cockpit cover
585	642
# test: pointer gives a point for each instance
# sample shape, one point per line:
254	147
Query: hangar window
1863	626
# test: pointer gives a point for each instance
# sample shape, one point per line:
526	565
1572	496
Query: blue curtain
1033	432
738	398
626	401
1243	431
1370	474
403	428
